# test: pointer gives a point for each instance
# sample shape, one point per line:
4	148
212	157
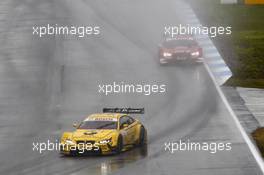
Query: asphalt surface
48	83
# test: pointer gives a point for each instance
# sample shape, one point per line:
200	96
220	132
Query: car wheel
119	144
142	136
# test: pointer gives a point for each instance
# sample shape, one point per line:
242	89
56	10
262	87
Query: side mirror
75	125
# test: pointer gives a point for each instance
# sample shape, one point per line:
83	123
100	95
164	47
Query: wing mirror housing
124	125
75	125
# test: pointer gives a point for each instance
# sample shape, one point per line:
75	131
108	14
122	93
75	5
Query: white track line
251	146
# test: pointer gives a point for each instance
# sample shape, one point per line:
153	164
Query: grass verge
244	49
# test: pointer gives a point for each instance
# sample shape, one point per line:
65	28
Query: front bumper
163	60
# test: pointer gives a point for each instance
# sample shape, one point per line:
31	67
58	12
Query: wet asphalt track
47	84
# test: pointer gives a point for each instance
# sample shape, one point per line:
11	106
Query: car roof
105	116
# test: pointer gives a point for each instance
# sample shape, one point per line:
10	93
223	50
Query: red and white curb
213	59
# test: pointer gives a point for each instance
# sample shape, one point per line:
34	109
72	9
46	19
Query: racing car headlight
197	53
167	54
105	141
68	141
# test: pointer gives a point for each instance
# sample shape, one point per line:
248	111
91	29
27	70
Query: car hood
82	134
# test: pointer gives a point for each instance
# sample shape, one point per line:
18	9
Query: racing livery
104	133
182	48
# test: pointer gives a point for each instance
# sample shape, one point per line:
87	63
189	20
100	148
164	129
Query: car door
126	131
132	128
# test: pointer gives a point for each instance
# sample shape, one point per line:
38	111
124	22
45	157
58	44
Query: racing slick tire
142	137
120	145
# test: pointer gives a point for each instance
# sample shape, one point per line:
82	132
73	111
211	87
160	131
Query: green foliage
258	136
249	46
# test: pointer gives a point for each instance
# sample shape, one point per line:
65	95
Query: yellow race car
105	133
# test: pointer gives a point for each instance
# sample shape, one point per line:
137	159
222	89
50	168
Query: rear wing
124	110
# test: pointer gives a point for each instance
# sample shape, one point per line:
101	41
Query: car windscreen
98	125
179	43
